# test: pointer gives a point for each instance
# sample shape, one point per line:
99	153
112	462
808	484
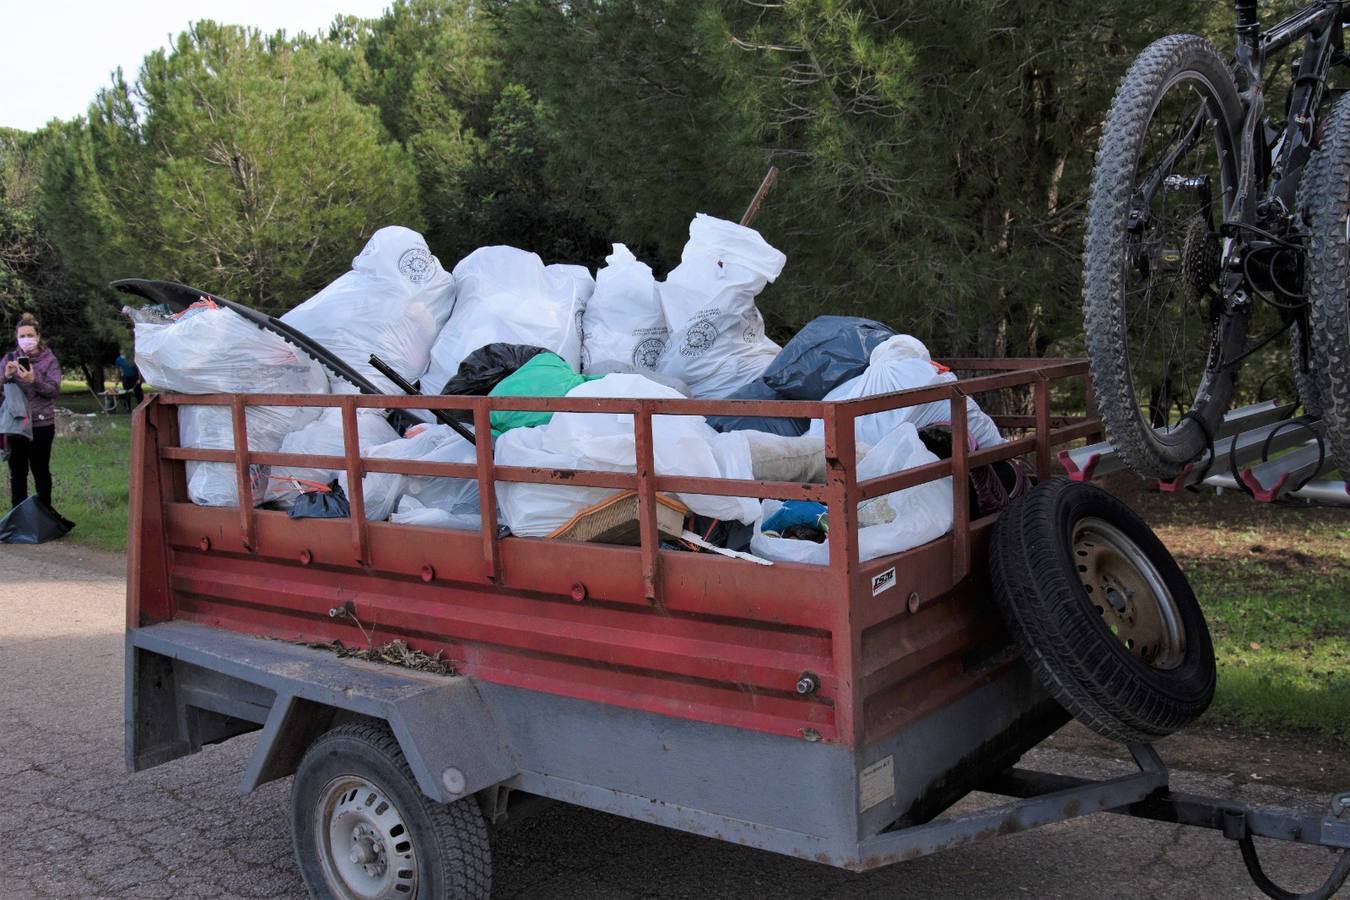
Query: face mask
27	344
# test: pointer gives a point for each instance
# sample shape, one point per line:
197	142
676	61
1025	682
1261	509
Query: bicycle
1193	223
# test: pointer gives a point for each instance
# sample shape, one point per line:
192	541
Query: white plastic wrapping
624	326
392	303
411	511
209	351
211	428
683	445
508	295
323	437
717	342
382	491
897	364
899	521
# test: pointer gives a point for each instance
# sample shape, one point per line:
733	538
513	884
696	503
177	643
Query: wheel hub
1129	594
365	848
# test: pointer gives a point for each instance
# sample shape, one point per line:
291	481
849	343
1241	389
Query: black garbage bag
758	390
733	535
482	369
33	522
828	351
329	504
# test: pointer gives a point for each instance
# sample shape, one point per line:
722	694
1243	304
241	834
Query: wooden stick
753	209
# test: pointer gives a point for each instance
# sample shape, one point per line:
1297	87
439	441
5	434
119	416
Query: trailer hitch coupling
1235	828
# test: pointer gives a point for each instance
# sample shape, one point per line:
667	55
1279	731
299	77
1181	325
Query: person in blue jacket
131	376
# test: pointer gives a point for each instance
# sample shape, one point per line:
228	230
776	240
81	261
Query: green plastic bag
546	375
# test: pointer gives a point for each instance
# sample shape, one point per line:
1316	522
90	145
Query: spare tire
1102	612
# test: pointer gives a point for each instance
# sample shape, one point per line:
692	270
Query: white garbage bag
510	296
624	329
411	511
683	445
435	443
211	428
392	303
897	364
888	524
323	437
210	350
717	342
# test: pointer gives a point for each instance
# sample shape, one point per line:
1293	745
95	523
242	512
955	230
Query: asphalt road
74	824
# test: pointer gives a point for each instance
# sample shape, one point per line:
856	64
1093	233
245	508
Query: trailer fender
446	733
444	724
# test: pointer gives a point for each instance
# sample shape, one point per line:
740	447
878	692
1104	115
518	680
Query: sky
56	54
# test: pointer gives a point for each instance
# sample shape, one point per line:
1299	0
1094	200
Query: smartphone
24	363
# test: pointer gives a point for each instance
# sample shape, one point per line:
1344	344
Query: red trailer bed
691	635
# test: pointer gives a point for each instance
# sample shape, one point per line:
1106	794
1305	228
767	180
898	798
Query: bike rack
1242	449
1260	449
1272	478
1096	460
1331	493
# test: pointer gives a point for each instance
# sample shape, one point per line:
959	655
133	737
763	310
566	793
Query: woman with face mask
33	367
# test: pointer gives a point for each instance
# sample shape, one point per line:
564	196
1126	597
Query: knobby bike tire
1325	205
1305	383
1113	185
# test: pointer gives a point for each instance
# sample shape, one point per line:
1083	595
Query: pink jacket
46	385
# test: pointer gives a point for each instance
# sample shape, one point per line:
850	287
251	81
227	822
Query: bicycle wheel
1325	199
1157	331
1306	389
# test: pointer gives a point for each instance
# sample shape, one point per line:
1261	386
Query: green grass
1284	655
90	473
1275	588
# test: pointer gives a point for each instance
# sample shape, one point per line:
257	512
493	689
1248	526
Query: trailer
832	713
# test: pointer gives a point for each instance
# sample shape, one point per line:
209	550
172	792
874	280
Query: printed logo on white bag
699	339
417	265
883	582
754	326
647	352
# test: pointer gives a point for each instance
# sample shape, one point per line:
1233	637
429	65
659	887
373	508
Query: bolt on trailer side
913	691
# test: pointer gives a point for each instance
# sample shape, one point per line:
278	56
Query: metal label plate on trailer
876	783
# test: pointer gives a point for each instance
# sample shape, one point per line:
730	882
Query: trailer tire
1102	612
354	798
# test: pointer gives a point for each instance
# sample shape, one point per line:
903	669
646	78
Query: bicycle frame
1269	224
1282	162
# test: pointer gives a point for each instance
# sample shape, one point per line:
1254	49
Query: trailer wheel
363	829
1102	612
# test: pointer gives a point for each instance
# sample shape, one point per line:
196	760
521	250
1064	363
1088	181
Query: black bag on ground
329	504
828	351
33	522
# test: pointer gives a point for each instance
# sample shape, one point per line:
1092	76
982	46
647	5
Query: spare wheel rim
1129	594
